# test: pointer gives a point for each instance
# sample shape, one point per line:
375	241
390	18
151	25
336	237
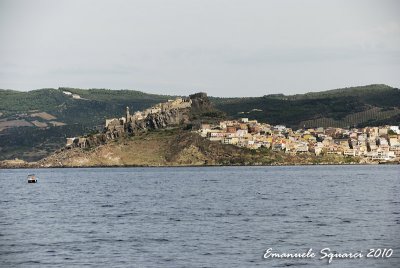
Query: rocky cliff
164	119
172	117
200	103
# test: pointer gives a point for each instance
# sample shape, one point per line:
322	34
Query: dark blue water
198	217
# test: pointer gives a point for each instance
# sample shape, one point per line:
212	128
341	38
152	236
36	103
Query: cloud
228	48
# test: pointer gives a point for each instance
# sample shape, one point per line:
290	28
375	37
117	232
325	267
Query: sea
201	217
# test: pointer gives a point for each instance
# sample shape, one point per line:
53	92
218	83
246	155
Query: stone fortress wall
158	116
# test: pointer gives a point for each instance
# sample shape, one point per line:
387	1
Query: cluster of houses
372	143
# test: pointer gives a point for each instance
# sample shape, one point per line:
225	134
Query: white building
395	129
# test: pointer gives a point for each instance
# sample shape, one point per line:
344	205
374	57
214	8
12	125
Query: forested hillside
35	123
356	106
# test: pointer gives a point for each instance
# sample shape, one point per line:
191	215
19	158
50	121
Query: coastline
176	148
198	166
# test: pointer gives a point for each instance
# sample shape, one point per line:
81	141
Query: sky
222	47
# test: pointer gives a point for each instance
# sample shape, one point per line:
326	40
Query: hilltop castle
122	124
161	115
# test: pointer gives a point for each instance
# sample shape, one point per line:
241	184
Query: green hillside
35	123
73	117
94	105
355	106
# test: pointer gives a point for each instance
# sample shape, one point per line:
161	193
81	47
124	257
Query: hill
34	124
170	147
347	107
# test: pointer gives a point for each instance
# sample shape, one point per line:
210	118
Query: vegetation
356	106
338	108
176	147
81	116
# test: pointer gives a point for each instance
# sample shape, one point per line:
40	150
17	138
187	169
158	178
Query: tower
128	116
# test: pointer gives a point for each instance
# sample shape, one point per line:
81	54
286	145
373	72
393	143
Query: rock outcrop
173	113
171	117
200	102
16	163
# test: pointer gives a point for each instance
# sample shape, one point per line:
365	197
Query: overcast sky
225	48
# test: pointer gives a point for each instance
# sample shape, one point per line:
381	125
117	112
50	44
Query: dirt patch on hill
39	124
57	124
44	115
14	123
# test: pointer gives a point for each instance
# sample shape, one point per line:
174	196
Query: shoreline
202	166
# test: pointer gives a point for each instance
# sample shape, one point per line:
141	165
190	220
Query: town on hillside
369	143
